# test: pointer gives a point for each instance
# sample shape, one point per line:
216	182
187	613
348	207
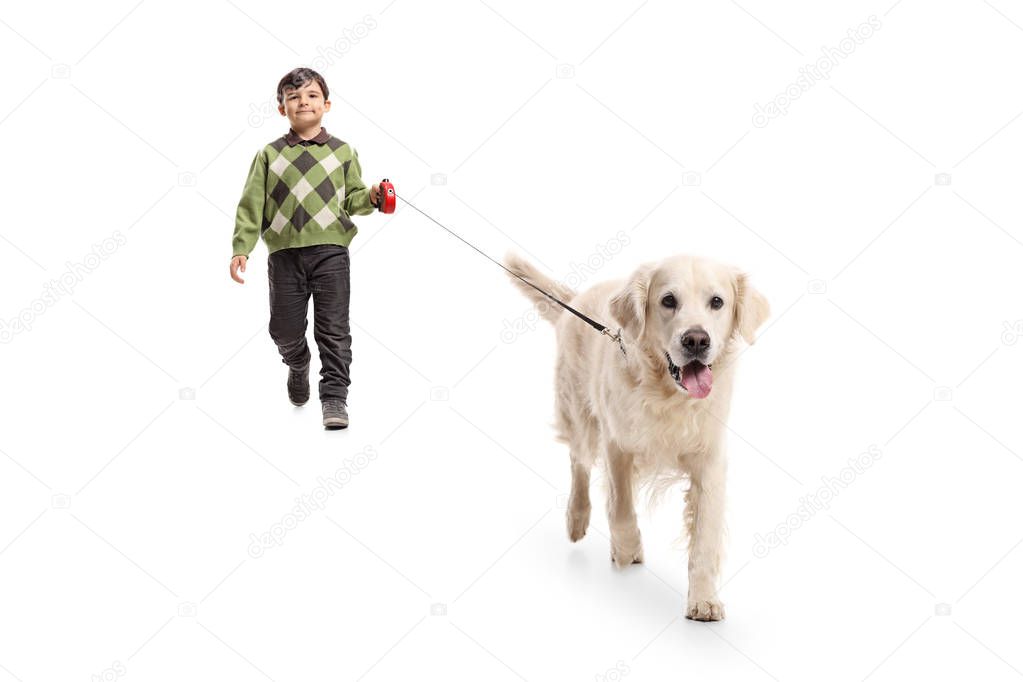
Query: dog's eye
716	303
669	301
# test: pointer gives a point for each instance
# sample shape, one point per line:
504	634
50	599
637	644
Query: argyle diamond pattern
301	194
306	185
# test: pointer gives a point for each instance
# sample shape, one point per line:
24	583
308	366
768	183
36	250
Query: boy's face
304	106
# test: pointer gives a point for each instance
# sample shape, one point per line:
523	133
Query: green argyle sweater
301	193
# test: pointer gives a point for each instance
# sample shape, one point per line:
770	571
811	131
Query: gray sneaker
298	386
335	414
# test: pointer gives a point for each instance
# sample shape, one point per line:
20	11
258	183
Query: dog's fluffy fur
640	414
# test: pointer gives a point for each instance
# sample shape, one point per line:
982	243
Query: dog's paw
623	559
705	609
577	522
628	550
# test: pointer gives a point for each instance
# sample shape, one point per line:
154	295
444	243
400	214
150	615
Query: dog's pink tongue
697	379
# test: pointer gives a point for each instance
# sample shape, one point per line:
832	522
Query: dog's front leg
626	541
705	520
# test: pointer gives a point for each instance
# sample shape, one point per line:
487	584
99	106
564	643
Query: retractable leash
386	204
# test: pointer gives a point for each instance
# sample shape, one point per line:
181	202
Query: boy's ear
628	306
751	309
326	105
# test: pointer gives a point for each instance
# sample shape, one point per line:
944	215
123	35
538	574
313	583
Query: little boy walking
300	194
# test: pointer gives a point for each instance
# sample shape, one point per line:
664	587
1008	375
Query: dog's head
689	311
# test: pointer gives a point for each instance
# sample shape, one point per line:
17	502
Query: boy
300	193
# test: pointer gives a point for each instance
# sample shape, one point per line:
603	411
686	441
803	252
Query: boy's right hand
238	263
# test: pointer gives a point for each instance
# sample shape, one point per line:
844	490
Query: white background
146	429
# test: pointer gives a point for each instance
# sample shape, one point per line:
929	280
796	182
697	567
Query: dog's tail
548	309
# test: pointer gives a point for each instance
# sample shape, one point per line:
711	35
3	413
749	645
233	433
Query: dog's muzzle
694	377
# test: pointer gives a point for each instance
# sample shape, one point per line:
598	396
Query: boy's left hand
374	194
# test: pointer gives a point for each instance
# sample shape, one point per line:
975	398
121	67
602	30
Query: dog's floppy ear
751	308
628	306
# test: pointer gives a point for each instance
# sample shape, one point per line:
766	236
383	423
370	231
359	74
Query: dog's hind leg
626	542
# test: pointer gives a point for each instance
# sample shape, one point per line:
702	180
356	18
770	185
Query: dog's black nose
695	341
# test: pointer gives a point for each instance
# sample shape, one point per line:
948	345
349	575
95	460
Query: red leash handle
387	199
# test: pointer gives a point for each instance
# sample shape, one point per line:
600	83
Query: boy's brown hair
296	78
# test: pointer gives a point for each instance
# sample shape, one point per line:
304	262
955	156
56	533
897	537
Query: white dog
656	414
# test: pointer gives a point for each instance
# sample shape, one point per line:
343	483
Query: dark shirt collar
293	138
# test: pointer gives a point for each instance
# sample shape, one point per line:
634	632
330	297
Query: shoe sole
335	423
299	404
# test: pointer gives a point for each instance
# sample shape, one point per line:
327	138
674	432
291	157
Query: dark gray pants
323	272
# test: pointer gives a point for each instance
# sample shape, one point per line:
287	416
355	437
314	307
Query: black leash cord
596	325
